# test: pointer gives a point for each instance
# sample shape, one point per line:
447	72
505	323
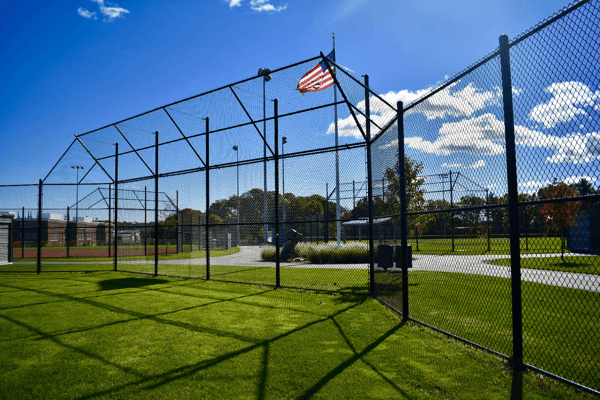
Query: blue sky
73	66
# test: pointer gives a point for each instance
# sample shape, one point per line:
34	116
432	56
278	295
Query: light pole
237	153
283	142
264	72
77	167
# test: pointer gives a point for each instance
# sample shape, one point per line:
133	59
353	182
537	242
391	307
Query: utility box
407	257
6	221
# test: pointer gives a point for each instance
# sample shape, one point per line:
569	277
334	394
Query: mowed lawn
119	335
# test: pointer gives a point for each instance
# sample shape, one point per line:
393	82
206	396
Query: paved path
467	264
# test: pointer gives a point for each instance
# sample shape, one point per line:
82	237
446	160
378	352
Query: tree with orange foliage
560	214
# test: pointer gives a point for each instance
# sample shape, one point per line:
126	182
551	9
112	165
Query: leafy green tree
415	193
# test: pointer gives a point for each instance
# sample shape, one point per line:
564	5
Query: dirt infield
102	252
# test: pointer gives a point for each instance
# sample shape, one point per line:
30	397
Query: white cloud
110	11
463	102
234	3
576	179
577	148
451	165
493	185
478	164
86	14
381	114
483	135
568	101
263	5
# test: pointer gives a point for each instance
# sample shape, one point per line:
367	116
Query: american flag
318	78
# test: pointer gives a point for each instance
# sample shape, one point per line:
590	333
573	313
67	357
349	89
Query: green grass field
116	335
561	328
175	256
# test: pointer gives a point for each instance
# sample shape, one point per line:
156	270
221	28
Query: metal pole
237	153
452	212
369	188
77	208
67	232
403	208
337	158
513	204
39	229
277	261
116	237
283	142
326	215
145	220
487	202
109	217
177	230
156	203
23	232
266	227
208	201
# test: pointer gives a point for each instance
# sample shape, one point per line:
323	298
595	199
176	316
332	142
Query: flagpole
337	158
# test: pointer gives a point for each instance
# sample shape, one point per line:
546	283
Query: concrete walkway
468	264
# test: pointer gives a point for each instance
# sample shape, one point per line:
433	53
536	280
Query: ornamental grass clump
325	253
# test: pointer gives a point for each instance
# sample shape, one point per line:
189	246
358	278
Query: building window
54	236
80	236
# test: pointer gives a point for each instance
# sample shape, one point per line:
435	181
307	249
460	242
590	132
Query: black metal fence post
67	231
23	232
39	229
156	203
452	212
513	204
370	189
403	209
145	220
116	237
207	200
109	217
277	261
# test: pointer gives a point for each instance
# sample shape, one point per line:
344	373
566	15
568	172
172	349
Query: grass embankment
109	335
576	264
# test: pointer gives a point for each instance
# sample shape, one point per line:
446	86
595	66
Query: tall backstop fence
472	210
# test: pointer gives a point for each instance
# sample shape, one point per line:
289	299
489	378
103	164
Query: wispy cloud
478	164
234	3
264	5
108	10
86	14
451	165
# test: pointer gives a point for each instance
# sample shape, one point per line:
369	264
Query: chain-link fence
483	225
502	201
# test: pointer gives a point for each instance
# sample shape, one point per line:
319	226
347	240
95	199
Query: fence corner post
403	222
513	205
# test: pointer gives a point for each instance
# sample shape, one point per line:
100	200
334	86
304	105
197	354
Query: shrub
325	253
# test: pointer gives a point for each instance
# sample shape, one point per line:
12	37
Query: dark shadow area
121	283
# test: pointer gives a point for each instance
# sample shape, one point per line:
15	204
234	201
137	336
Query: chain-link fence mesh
255	183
